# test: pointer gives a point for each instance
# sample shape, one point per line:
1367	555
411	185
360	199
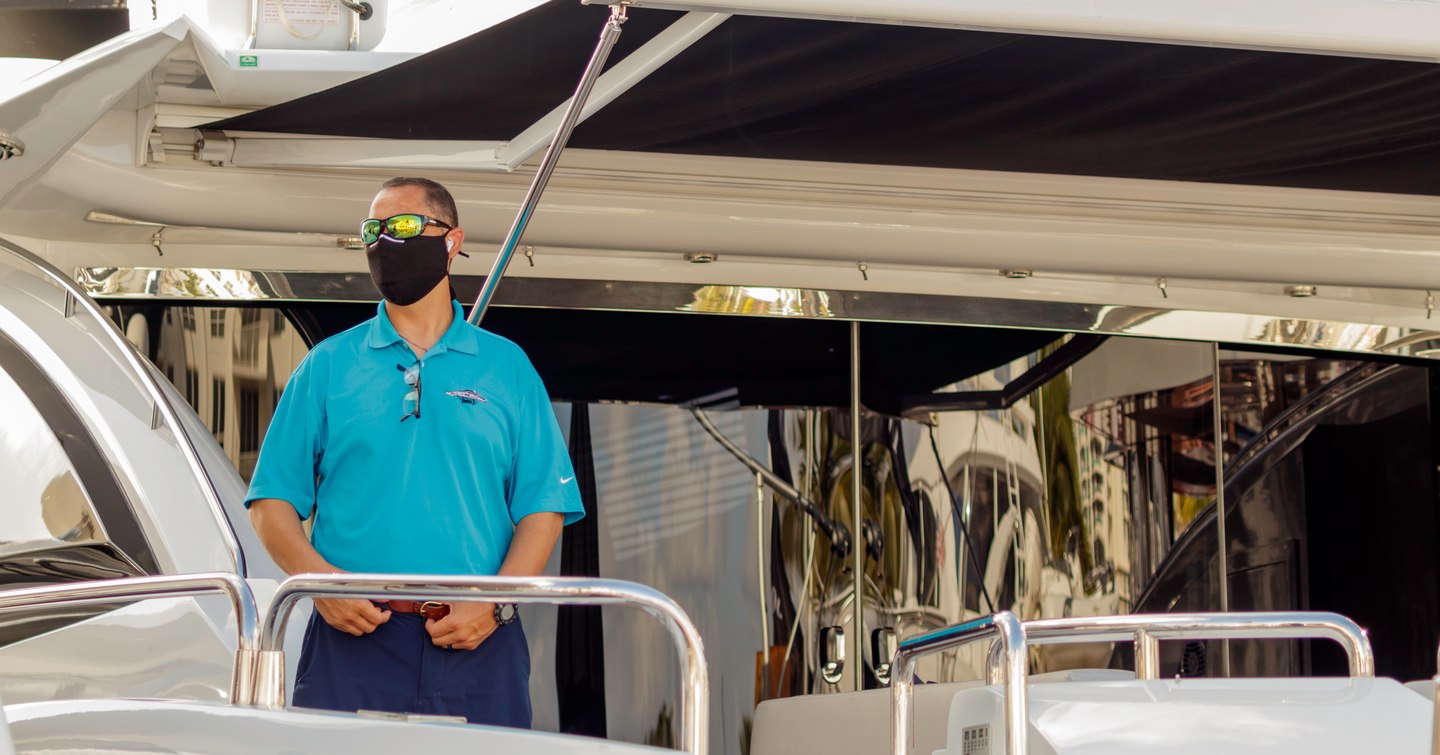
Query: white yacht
945	376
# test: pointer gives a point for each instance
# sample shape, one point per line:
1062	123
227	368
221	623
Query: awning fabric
840	92
586	355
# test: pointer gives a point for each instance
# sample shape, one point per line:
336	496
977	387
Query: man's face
400	200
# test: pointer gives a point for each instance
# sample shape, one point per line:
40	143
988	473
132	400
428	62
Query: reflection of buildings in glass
230	364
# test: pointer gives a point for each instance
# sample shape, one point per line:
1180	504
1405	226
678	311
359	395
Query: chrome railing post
1147	655
134	589
1435	720
694	692
1013	669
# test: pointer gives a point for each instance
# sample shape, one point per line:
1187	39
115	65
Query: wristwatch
506	613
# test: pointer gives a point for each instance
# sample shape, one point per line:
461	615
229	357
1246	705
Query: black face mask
406	269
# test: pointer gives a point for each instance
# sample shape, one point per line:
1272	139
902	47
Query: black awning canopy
589	355
859	93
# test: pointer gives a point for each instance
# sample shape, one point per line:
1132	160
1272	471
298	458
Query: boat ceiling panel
783	88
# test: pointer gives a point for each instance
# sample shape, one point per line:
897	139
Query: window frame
108	498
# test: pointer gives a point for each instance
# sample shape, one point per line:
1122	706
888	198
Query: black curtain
579	635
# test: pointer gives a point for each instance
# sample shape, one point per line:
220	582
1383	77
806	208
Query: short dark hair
436	196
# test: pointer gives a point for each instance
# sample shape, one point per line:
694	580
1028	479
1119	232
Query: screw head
1017	273
700	258
1301	292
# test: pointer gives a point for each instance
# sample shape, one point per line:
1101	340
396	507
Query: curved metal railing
1009	633
1147	630
76	297
133	589
1007	663
695	689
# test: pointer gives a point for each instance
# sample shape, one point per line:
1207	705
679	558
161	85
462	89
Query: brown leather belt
430	609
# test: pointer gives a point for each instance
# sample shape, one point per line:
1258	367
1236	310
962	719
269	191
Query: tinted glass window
43	504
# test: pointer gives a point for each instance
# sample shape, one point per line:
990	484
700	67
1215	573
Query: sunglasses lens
370	230
404	226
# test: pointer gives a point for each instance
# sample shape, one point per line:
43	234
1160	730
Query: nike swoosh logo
564	480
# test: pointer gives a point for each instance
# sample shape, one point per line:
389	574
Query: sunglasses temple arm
608	36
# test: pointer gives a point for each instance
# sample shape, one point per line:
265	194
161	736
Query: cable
795	625
964	532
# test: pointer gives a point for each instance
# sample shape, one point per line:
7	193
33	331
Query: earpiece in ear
449	244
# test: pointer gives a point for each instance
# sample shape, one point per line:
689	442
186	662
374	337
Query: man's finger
445	625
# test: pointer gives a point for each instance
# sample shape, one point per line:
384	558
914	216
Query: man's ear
454	240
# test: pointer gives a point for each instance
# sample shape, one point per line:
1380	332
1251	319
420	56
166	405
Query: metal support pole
1221	561
760	576
856	529
1435	725
608	36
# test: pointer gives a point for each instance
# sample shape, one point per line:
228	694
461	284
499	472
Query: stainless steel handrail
149	383
131	589
1011	646
695	689
1147	630
1007	663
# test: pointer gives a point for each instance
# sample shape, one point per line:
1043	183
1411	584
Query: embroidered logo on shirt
467	397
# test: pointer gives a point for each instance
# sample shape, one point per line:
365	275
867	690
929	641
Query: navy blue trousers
397	669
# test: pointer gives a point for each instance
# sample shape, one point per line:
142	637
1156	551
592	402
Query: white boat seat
1425	688
849	723
1313	716
859	722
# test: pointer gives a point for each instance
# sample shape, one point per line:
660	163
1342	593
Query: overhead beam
1365	28
270	151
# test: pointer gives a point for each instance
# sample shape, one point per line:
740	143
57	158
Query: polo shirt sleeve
542	478
290	453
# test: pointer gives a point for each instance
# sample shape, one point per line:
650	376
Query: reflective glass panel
43	505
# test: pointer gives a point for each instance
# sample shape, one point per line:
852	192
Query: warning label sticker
325	12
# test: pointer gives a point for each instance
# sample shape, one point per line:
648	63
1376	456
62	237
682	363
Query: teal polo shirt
434	494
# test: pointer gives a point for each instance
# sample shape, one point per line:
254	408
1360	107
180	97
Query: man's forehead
400	199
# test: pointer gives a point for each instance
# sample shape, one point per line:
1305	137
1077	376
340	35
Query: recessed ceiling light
701	257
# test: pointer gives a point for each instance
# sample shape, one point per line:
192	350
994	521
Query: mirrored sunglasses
404	226
411	402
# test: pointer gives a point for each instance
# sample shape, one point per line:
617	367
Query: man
423	445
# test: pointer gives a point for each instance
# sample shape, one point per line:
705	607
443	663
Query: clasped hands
468	624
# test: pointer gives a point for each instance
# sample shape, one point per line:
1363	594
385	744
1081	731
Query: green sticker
249	61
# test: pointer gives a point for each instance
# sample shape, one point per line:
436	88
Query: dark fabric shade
587	355
579	631
831	91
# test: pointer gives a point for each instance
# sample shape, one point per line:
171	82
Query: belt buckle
433	609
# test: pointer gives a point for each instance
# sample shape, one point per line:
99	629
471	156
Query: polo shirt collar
460	336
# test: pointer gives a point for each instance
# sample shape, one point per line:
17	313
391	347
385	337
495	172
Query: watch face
506	612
